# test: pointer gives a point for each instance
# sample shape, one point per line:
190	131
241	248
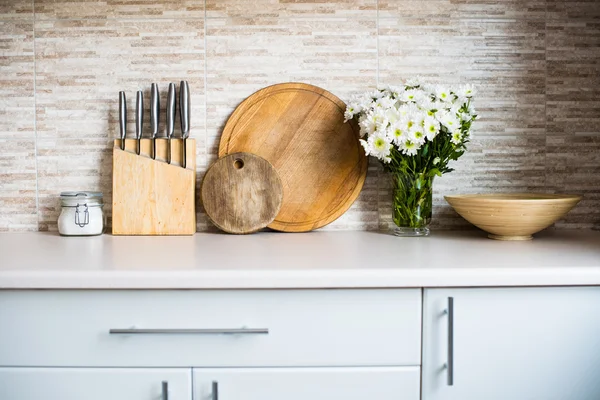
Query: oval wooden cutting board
241	193
300	130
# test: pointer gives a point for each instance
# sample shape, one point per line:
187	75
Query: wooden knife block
151	197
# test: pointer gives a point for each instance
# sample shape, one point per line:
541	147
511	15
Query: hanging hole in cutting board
238	163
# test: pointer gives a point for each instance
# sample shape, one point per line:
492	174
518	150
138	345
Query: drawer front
386	383
182	328
94	384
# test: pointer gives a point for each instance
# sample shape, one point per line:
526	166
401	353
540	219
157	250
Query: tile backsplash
536	64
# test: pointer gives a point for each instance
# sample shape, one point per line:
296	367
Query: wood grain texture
151	197
300	130
513	216
242	193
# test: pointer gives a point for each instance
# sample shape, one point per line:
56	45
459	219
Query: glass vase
412	204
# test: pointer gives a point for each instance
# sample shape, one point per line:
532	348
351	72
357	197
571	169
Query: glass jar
81	214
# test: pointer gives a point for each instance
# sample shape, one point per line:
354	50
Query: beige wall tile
16	9
103	9
81	66
246	54
17	101
17	185
573	9
490	9
278	8
573	116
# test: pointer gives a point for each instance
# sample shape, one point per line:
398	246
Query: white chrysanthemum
417	135
392	115
467	91
397	133
431	128
409	148
456	137
351	110
376	95
411	95
413	81
443	94
379	146
449	121
384	102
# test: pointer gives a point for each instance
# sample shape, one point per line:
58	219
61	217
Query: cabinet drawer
94	384
305	328
386	383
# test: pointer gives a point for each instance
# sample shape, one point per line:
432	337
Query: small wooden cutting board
241	193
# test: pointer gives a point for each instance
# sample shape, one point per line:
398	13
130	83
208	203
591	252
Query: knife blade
184	116
139	119
154	115
123	118
170	118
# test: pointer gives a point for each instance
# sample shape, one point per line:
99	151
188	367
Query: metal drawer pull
165	391
139	331
215	390
450	364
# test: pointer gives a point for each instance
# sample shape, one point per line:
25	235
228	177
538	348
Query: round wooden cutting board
241	193
300	130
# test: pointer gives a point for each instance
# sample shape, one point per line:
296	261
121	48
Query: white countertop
306	260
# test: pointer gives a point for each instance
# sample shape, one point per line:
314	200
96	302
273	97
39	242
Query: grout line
205	166
546	98
35	142
377	37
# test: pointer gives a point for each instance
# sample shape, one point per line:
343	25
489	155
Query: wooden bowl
512	216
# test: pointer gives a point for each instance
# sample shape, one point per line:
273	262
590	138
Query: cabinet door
94	384
386	383
517	344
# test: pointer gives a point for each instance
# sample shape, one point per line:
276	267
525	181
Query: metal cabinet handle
450	365
138	331
165	391
215	390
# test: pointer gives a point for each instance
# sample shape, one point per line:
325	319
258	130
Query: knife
122	118
184	116
154	115
139	119
170	118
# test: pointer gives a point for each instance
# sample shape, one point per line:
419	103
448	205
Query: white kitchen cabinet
384	383
517	344
94	384
154	328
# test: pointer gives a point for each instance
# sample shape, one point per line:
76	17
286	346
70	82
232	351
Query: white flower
383	103
417	135
397	133
436	161
467	91
456	137
378	145
367	125
431	128
392	115
443	94
409	148
448	120
413	81
411	95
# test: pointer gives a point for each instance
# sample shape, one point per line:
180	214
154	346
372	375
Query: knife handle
154	109
122	118
184	109
171	110
139	114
